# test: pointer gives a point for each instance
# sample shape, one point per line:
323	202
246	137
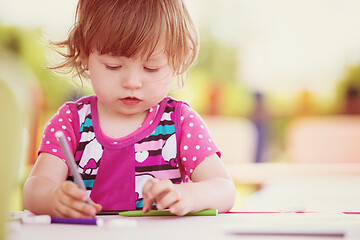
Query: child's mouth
130	101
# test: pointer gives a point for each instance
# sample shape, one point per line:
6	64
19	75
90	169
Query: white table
200	227
260	173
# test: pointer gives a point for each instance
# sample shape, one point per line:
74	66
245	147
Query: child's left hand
211	187
166	195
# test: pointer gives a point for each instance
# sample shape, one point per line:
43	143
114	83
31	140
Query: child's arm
211	188
46	191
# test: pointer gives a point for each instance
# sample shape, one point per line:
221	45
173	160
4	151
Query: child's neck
119	126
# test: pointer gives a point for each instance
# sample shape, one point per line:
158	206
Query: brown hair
128	28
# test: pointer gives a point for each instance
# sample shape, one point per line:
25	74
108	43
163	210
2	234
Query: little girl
135	147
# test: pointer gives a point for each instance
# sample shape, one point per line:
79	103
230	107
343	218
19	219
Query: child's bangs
132	34
135	43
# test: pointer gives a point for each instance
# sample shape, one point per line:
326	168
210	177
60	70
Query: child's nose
132	80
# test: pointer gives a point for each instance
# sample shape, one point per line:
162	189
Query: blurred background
277	81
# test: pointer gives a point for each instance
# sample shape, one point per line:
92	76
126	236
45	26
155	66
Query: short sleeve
196	143
61	121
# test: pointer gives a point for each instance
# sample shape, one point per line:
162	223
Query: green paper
139	213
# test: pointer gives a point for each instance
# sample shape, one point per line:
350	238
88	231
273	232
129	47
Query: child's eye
113	67
149	69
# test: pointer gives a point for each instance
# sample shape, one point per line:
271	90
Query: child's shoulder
80	106
172	101
184	107
187	113
82	101
79	103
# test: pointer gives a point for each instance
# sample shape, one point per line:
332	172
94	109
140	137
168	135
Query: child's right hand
68	200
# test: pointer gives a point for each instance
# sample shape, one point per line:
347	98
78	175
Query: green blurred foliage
216	70
29	46
216	59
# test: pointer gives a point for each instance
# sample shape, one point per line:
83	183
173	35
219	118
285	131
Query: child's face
130	85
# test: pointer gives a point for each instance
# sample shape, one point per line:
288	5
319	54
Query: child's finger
67	211
168	199
71	189
160	189
148	199
75	208
147	187
154	192
56	212
97	206
60	209
147	204
179	208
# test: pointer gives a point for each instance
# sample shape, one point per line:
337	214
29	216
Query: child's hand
68	200
166	195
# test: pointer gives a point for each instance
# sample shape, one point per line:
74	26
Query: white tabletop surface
224	226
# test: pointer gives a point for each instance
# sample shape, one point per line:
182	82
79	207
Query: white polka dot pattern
196	143
62	120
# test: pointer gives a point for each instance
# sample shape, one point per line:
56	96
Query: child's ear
84	61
